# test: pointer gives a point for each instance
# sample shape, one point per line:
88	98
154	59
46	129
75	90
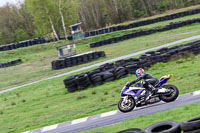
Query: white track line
109	113
44	129
196	93
26	132
79	120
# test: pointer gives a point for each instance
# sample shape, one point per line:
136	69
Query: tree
44	13
62	18
15	24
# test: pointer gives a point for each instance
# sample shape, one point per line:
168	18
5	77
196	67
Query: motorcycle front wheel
126	106
173	94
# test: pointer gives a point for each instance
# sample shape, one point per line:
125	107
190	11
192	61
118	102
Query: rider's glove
129	84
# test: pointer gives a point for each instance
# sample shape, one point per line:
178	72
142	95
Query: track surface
116	116
108	61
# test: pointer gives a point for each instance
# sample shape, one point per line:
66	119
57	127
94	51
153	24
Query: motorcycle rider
149	81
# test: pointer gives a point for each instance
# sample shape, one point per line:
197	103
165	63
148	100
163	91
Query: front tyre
126	106
172	95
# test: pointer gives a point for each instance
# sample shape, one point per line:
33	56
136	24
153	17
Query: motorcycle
136	96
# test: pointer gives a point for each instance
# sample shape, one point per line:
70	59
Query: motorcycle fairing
164	79
131	91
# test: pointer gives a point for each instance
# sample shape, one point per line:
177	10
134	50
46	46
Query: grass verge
48	103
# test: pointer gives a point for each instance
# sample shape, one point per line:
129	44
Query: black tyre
72	89
172	95
98	83
96	79
126	107
164	127
107	75
191	124
132	130
110	79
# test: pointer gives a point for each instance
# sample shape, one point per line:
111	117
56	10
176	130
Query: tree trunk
50	21
62	19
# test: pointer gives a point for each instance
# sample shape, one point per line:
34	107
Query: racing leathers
149	83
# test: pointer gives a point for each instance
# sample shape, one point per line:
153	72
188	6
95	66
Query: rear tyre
126	107
172	96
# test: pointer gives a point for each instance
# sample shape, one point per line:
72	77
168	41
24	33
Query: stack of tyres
10	63
76	60
120	72
131	68
96	79
21	44
144	32
169	126
70	84
108	76
58	64
191	125
142	23
121	68
82	81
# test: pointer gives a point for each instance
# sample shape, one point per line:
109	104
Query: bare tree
62	19
50	21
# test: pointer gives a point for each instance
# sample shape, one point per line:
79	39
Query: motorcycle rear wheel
172	96
126	107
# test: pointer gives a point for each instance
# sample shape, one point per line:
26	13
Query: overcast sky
3	2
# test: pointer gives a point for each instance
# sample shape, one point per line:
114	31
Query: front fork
125	99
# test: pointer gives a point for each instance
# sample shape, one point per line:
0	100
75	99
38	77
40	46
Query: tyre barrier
191	125
76	60
9	63
132	130
170	126
141	23
30	42
121	68
25	43
170	26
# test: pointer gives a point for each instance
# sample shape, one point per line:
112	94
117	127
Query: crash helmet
139	72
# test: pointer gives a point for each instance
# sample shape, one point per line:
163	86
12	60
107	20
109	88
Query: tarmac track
113	117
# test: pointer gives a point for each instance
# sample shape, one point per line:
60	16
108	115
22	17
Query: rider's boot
148	96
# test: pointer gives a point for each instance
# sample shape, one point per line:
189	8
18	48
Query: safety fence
170	26
121	68
141	23
76	60
9	63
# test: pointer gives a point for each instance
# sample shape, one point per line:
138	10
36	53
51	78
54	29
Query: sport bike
137	95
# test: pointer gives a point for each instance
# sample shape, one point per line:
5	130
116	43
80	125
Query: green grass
179	114
37	59
48	103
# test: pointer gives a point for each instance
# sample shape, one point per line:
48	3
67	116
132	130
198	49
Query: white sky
3	2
